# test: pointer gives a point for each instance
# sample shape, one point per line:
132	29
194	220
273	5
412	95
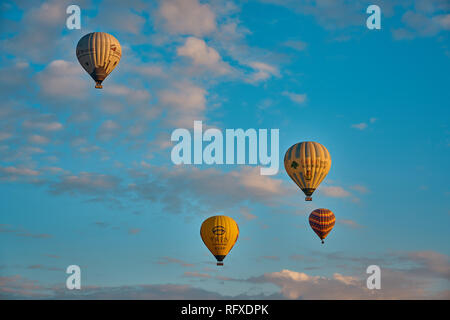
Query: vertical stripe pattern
322	222
307	163
98	53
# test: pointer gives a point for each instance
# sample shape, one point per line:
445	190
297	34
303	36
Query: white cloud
299	98
15	76
196	275
364	125
168	260
173	185
185	103
348	280
16	287
187	17
349	223
433	262
297	45
402	34
62	79
108	129
424	25
331	15
44	123
135	95
202	55
360	126
360	188
263	71
443	21
424	19
245	212
122	16
11	172
395	285
85	183
5	136
261	185
184	96
41	24
149	70
334	191
38	139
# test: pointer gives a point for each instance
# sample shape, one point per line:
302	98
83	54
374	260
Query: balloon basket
308	199
220	263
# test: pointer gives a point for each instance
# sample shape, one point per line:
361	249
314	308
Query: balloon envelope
219	233
307	163
98	53
322	222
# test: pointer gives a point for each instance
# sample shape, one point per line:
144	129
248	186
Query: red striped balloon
322	222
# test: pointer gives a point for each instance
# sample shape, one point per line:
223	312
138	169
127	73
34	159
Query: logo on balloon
294	165
218	230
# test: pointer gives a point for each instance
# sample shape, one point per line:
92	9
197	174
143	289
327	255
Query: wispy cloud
397	283
349	223
360	188
12	173
299	98
412	279
335	191
20	232
245	212
86	183
134	231
203	56
196	275
187	17
262	71
170	260
45	268
364	125
360	126
296	44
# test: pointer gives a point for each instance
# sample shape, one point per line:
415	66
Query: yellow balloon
98	53
219	233
307	163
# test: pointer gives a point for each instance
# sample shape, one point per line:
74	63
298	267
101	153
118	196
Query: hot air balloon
98	53
322	222
219	233
307	163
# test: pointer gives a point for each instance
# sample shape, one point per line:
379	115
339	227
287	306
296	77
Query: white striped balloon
99	53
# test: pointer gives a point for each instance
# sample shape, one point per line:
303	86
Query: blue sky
86	176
